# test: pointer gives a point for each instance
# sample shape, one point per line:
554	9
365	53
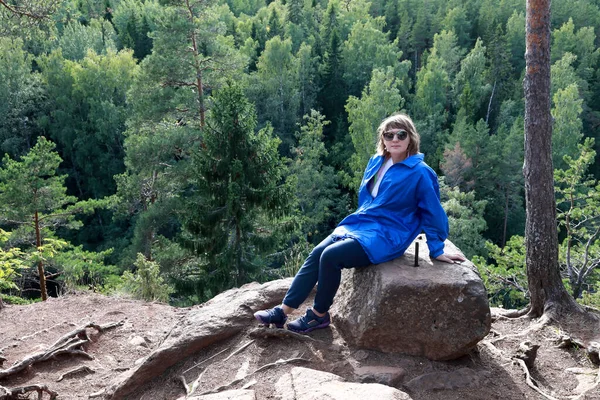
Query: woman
398	199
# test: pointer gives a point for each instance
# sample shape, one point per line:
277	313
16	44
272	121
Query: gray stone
138	341
462	378
390	376
437	310
308	384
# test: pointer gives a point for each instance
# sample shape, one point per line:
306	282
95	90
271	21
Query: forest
173	149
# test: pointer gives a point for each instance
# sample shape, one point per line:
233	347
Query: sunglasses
389	136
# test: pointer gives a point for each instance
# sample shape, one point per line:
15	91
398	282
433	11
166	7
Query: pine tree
33	199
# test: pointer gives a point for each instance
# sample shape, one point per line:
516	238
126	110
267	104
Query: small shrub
146	283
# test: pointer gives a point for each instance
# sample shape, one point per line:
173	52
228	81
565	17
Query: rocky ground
261	362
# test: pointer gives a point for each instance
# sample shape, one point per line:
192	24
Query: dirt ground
560	373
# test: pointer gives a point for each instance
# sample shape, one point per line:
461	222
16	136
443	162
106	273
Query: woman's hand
450	258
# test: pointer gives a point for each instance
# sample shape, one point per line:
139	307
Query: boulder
222	317
309	384
436	310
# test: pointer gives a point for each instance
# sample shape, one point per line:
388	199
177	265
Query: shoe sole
312	328
268	324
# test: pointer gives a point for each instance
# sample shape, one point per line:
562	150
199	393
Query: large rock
437	310
220	318
309	384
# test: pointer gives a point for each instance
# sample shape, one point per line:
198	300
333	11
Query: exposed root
204	361
97	394
75	371
530	381
538	326
264	367
494	350
70	343
279	333
592	349
596	384
510	314
18	392
190	389
242	347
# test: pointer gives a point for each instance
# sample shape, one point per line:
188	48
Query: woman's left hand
450	258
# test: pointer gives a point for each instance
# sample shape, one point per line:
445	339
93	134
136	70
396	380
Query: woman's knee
330	258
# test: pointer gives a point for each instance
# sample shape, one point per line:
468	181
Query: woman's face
396	142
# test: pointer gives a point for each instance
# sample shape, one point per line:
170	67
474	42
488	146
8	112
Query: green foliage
319	202
11	261
146	283
578	205
465	218
77	39
22	96
87	120
274	88
83	268
368	48
379	100
506	280
566	131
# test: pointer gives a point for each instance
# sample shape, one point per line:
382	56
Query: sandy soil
560	373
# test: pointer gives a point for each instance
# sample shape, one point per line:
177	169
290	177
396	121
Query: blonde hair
398	121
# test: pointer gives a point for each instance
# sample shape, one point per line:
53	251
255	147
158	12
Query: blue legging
324	265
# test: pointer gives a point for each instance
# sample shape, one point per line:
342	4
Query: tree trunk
41	273
541	237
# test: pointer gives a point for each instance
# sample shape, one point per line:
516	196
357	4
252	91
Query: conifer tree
33	199
238	178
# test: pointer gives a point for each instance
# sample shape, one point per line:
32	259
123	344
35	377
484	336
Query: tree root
593	349
266	366
75	371
18	392
510	314
494	350
70	343
530	381
539	325
190	389
596	384
279	333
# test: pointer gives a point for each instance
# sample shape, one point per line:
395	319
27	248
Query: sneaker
273	316
309	322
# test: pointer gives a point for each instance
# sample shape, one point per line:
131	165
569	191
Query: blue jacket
407	204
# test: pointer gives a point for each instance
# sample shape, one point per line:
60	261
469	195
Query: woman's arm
435	220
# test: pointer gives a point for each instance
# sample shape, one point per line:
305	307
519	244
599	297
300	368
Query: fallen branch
266	366
16	393
530	381
70	343
83	368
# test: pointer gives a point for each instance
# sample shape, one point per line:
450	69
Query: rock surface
462	378
239	394
437	310
309	384
218	319
390	376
